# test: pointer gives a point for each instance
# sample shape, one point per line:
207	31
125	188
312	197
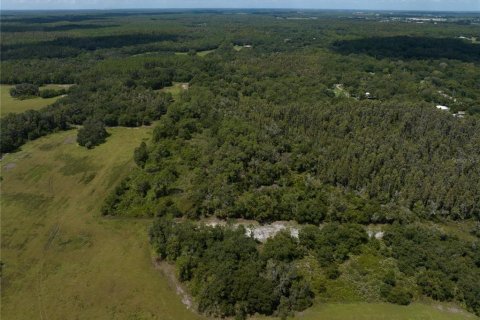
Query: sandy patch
260	232
69	140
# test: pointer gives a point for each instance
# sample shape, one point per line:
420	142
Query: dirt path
168	271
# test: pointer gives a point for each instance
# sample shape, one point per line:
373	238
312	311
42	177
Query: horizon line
246	8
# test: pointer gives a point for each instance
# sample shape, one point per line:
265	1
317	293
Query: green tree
282	247
92	133
24	90
140	155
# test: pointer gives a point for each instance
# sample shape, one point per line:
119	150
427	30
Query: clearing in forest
9	104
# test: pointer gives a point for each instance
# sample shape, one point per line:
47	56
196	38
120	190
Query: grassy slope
9	104
62	260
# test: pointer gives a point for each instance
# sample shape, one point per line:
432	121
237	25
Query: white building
443	107
459	114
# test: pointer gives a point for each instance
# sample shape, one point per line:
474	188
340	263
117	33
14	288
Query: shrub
50	93
141	155
400	296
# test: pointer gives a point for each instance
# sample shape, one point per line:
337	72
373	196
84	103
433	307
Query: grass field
199	53
176	89
9	104
204	53
340	91
61	259
238	48
382	311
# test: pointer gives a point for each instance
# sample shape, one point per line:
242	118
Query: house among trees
459	114
440	107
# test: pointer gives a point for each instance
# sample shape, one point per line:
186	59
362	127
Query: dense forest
328	120
228	274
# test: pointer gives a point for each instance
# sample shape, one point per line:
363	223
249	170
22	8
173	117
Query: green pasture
384	311
8	104
381	311
61	259
199	53
175	89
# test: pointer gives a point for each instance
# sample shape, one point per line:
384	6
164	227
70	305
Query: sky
434	5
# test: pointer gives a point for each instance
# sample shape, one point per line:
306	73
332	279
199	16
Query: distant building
426	19
443	107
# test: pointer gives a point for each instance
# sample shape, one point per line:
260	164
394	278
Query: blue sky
454	5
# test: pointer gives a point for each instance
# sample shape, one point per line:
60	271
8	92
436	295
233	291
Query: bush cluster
92	133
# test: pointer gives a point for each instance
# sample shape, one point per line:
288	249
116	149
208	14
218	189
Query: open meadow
381	311
8	104
61	260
